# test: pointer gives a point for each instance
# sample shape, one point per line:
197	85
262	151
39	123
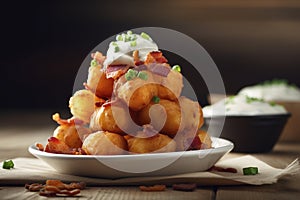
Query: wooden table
18	131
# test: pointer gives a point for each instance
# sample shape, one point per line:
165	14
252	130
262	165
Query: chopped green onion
94	63
252	99
130	74
143	75
176	68
250	170
8	164
272	103
119	37
145	36
114	44
129	32
156	99
117	49
133	43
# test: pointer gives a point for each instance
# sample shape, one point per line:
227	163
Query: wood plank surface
110	193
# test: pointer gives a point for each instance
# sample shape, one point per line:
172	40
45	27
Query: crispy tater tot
104	143
71	135
82	105
113	117
98	83
166	108
136	93
158	143
191	113
169	87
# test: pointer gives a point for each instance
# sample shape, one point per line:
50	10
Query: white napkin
29	170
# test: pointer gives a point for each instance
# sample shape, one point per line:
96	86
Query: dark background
44	42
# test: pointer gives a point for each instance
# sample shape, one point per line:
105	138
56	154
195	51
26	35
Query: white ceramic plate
118	166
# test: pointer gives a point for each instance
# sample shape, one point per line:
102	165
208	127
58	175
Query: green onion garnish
117	49
155	99
94	63
143	75
8	164
252	99
119	37
114	44
129	32
130	74
250	170
176	68
133	43
145	36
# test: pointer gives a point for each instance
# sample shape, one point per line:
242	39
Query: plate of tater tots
130	115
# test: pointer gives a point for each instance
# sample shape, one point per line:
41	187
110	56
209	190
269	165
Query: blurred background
44	42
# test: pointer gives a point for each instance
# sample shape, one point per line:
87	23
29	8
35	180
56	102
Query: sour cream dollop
273	91
243	105
121	50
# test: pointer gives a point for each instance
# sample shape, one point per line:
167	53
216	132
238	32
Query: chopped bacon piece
115	71
155	56
160	69
70	121
221	169
154	188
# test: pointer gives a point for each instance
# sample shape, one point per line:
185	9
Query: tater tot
166	108
71	135
98	83
113	118
158	143
82	105
169	87
136	93
192	115
104	143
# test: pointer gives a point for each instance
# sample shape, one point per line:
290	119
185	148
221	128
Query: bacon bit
99	57
115	71
39	146
138	63
195	144
160	69
221	169
99	101
154	188
141	67
71	121
155	56
54	188
187	187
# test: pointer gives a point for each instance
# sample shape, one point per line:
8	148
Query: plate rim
228	147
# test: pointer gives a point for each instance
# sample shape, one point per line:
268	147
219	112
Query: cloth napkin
29	170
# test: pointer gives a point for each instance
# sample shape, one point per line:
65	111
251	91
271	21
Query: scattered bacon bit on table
221	169
187	187
54	188
153	188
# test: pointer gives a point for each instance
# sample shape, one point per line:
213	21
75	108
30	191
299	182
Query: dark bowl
250	134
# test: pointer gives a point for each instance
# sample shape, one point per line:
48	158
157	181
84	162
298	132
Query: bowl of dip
253	125
281	92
